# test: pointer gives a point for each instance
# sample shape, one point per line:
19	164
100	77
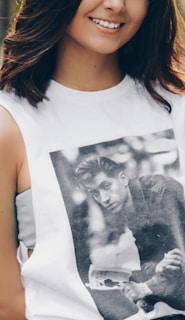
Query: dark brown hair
30	47
157	52
154	54
90	167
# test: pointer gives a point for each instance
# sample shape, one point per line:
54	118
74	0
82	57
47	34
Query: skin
14	177
86	61
100	39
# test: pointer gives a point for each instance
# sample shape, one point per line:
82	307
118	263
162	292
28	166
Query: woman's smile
107	24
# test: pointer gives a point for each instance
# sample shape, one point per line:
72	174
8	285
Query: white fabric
25	218
71	119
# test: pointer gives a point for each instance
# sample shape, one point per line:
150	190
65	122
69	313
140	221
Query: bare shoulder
8	127
12	152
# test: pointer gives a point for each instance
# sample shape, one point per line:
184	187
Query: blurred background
8	9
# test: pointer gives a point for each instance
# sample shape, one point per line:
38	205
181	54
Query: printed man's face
110	192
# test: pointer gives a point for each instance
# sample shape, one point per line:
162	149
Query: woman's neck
85	70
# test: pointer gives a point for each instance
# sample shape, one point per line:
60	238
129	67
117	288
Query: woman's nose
114	5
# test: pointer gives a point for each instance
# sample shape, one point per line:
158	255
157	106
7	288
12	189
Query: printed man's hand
136	291
173	261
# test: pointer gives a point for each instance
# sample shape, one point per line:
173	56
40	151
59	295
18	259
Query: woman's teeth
106	24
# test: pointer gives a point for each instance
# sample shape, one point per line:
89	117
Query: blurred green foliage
181	4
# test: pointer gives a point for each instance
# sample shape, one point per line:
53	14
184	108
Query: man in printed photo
144	230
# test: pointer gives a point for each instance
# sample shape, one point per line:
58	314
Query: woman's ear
124	178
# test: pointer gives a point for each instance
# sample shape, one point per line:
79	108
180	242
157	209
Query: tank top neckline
57	88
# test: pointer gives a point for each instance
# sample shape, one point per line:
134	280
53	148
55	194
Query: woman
75	75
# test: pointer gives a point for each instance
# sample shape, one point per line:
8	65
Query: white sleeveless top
120	123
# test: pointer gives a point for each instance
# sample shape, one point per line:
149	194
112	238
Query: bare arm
12	179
